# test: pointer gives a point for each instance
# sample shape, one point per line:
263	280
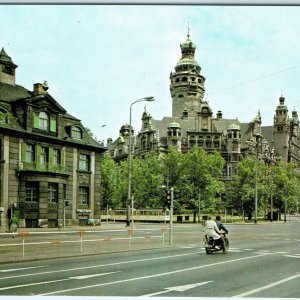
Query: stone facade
193	123
49	164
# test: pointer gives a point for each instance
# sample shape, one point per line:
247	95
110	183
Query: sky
98	59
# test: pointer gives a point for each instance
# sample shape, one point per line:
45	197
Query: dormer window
76	132
43	121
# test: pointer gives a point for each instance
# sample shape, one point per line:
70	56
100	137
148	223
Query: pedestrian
13	225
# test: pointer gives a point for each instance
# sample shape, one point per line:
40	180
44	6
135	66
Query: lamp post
257	136
272	160
148	99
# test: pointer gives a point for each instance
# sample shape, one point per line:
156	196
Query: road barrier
45	244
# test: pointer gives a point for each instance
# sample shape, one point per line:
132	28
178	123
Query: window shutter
50	162
36	121
52	125
37	156
62	158
23	155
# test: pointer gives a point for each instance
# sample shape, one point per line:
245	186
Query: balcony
83	206
25	167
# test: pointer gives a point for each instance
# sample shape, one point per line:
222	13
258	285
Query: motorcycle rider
220	224
211	229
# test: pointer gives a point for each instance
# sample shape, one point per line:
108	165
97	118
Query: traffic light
168	198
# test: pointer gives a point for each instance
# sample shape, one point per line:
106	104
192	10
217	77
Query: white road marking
263	252
98	266
20	269
31	284
153	276
93	275
52	281
181	288
266	286
294	256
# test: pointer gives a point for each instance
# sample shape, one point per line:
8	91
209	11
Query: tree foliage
196	179
279	182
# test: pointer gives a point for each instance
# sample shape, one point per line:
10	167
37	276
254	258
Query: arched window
43	121
76	132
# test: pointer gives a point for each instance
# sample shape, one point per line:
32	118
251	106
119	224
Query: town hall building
193	123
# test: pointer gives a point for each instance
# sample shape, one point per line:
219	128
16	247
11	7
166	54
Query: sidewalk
43	243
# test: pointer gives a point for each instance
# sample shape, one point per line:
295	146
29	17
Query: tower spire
188	34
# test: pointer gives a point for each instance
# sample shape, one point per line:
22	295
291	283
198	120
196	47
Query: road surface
263	261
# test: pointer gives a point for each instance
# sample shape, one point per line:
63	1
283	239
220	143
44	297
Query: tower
281	129
294	142
174	135
146	138
233	139
7	69
187	83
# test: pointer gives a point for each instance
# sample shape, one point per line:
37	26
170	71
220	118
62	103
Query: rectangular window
30	153
32	191
83	195
83	162
44	155
52	192
56	157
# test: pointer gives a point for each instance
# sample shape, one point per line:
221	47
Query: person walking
13	225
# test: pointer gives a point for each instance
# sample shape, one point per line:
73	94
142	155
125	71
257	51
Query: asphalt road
263	261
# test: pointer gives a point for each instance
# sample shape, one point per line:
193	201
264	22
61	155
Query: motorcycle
210	244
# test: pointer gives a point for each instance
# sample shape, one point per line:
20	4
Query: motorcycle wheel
208	251
226	245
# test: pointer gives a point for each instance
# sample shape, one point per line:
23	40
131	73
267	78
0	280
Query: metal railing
45	244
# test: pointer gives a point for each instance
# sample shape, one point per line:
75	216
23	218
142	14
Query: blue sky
98	59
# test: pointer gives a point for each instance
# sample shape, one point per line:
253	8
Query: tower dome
187	84
187	60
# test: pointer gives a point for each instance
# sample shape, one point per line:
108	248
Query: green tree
203	171
240	190
89	132
146	180
172	168
111	183
285	187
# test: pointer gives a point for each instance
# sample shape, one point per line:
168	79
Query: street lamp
148	99
272	160
257	136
